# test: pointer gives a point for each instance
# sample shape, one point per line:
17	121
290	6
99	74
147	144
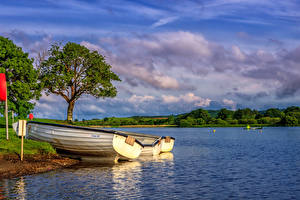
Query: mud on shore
11	166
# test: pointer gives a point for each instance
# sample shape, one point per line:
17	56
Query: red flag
2	87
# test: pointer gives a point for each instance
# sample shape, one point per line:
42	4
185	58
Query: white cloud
166	82
138	99
51	107
151	62
230	103
93	108
164	21
188	98
203	103
170	99
148	60
93	47
51	98
238	54
43	106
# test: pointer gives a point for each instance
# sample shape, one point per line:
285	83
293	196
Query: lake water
231	163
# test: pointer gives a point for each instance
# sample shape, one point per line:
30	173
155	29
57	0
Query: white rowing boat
85	141
153	144
167	144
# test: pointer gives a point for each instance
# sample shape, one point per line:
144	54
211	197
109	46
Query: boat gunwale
164	137
86	128
144	135
153	144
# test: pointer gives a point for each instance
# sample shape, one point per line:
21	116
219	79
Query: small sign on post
22	133
3	97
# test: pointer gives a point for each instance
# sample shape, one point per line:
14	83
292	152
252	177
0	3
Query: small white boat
153	144
85	141
167	143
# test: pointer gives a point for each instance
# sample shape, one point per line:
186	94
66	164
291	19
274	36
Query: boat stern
167	143
127	146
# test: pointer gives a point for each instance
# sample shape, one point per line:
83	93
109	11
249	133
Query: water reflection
168	156
163	157
13	186
20	189
3	189
2	195
126	179
129	177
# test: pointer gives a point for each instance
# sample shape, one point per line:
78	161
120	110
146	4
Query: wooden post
22	146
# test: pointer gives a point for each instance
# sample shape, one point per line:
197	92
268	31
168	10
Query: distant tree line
200	117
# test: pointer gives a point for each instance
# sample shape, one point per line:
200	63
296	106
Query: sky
172	56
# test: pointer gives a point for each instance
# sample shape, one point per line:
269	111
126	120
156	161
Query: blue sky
172	56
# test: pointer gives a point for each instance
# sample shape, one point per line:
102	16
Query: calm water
231	163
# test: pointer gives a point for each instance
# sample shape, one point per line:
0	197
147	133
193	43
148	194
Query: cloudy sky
173	56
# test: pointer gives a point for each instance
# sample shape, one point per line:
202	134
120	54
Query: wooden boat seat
130	140
167	139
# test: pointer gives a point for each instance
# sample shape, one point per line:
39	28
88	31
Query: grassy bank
38	156
13	145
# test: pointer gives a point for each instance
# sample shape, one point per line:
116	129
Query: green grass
13	145
55	121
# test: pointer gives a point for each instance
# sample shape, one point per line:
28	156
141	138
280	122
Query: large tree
21	77
73	70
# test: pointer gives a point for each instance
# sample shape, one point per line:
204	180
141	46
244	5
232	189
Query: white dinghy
167	143
153	144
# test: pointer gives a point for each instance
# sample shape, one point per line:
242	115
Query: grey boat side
78	140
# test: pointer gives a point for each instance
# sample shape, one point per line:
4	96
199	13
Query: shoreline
134	126
175	126
11	166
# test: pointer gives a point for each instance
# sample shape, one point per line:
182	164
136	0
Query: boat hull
85	141
153	149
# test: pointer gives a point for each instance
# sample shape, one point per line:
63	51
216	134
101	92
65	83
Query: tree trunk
70	110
